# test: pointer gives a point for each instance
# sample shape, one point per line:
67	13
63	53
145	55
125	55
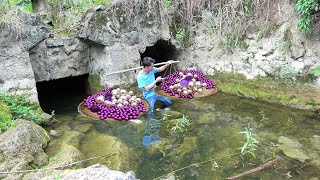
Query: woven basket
83	110
204	93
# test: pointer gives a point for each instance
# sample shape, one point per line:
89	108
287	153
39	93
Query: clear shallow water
213	138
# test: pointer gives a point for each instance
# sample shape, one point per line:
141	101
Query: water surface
152	149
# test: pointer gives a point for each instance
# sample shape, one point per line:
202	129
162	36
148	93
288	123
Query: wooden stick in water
116	72
259	168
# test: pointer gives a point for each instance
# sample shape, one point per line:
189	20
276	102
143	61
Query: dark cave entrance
62	95
162	51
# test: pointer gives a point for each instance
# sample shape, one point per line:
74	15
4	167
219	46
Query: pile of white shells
120	98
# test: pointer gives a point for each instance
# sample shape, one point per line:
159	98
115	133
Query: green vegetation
233	41
21	107
5	116
305	9
315	71
181	124
181	35
63	14
250	146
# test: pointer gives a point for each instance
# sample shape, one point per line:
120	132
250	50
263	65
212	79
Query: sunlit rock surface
22	145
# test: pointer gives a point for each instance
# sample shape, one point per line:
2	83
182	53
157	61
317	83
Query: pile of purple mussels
117	104
186	84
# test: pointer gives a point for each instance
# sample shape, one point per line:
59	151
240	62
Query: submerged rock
115	152
292	149
55	133
66	155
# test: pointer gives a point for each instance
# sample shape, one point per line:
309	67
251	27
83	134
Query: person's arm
150	86
162	68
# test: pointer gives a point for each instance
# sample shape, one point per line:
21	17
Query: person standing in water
147	82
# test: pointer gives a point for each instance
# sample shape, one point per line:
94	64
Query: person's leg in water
152	127
151	100
166	101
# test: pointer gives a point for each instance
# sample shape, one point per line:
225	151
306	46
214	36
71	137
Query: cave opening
162	51
62	95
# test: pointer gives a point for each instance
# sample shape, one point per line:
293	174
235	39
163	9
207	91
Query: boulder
23	145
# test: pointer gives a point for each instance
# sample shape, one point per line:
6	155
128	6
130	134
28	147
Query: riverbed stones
292	149
115	152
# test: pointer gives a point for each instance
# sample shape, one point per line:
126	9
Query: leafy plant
250	146
167	4
5	116
181	35
315	71
305	9
21	107
181	124
233	41
285	72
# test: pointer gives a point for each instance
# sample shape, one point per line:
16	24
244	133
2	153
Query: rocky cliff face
107	42
16	74
284	53
60	57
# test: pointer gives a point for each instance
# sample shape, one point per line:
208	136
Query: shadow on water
152	149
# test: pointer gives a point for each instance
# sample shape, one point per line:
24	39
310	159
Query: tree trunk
40	6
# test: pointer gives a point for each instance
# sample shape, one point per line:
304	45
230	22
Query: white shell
123	91
100	98
204	84
119	106
133	104
189	74
189	91
181	73
125	102
171	87
199	89
138	100
190	84
185	92
130	93
177	80
179	90
195	75
198	83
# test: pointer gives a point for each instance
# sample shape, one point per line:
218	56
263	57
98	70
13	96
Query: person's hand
170	62
159	79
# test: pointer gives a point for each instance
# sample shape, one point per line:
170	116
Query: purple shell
184	83
188	78
108	97
95	108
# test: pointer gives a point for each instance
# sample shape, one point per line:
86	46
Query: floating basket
205	92
83	110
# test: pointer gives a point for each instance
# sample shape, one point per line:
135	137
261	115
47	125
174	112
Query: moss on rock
94	83
268	89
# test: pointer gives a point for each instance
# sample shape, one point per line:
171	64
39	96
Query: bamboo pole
116	72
